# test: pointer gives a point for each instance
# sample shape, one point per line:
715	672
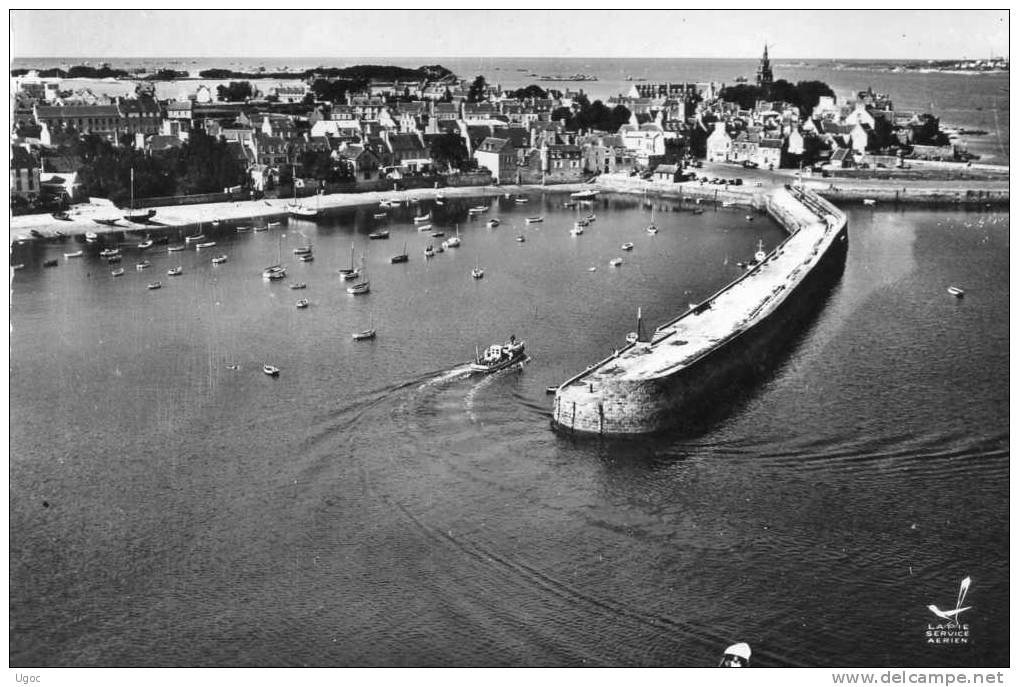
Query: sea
376	505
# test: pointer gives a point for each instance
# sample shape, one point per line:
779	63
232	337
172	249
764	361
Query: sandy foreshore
182	216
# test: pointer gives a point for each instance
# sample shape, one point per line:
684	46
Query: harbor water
374	505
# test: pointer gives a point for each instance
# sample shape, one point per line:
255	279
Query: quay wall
656	402
889	193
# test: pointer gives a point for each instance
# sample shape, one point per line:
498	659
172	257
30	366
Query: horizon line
500	57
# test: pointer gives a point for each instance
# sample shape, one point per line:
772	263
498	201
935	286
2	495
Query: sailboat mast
132	188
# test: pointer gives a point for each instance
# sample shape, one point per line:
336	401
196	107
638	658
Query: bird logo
952	616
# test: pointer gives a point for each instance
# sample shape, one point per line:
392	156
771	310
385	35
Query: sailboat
363	285
368	333
137	217
651	228
349	272
453	241
295	209
277	270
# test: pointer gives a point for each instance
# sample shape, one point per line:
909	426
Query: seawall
653	385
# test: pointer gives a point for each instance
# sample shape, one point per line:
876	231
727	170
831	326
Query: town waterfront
375	506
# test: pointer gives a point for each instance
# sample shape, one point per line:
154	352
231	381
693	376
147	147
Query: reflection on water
374	505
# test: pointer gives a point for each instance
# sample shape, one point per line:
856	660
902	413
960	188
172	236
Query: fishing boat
584	195
75	254
205	244
492	223
429	251
109	222
499	356
956	291
307	257
147	243
533	220
425	227
402	257
109	252
520	200
143	265
365	334
297	210
303	303
119	272
219	260
438	234
627	246
302	250
380	215
477	272
615	262
296	286
153	285
175	271
363	285
577	229
271	370
375	235
174	249
194	238
137	217
423	218
48	263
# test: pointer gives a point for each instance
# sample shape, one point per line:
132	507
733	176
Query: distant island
988	66
361	72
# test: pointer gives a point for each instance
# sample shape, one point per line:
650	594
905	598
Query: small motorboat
109	252
63	216
113	259
359	288
375	235
615	262
242	230
592	269
590	218
584	195
869	201
303	250
53	263
271	370
205	244
438	234
520	238
551	389
534	220
175	271
147	243
750	218
174	249
119	272
143	265
380	215
303	303
477	272
429	251
956	291
422	218
577	229
153	285
698	211
195	238
298	285
492	223
627	246
477	209
219	260
301	212
215	222
91	237
75	254
307	257
651	229
520	200
425	227
270	225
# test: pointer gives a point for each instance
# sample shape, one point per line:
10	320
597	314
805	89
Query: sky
847	34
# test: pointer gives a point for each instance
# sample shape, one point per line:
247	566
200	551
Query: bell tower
764	75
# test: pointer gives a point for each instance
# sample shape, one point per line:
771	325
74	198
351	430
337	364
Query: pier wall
669	396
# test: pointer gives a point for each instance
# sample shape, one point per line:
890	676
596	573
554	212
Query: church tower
764	75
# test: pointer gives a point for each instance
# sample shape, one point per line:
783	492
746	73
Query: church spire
764	75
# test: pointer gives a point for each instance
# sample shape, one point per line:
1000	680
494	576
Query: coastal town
351	131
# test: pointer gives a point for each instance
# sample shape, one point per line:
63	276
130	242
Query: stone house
499	157
719	144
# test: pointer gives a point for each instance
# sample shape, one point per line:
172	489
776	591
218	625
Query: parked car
747	164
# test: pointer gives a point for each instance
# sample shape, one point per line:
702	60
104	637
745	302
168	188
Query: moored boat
143	265
175	271
375	235
615	262
109	252
422	218
365	334
219	259
302	250
584	195
153	285
147	243
492	223
75	254
429	251
119	272
47	263
627	246
194	238
298	285
534	220
271	370
303	303
956	291
577	229
205	244
499	356
174	249
109	222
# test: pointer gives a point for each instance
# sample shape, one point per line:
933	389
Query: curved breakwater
650	385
